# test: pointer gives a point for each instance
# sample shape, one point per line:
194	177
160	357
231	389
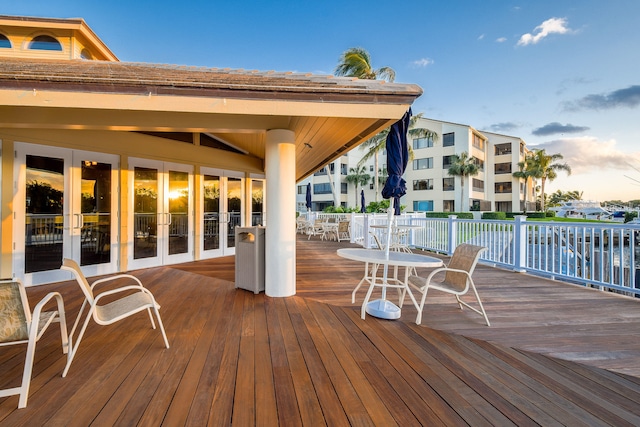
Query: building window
478	142
447	161
448	139
302	189
448	206
501	149
370	168
448	184
45	43
85	54
478	185
423	205
503	187
332	168
479	163
324	188
423	184
426	163
343	169
322	171
4	41
422	143
371	186
501	168
343	188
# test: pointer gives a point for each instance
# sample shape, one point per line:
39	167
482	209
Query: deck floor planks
311	355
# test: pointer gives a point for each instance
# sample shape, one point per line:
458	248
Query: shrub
536	214
550	214
460	215
494	215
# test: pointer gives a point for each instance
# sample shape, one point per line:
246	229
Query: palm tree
377	143
463	166
356	62
528	169
548	168
358	176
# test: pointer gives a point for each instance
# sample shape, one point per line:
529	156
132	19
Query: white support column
280	233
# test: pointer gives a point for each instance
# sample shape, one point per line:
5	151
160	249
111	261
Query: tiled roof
164	79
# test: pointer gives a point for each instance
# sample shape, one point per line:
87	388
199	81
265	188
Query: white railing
602	255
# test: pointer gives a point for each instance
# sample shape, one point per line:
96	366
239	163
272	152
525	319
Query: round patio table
383	308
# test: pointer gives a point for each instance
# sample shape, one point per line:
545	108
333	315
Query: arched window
85	54
4	41
45	43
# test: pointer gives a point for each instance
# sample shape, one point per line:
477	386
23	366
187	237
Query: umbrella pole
382	308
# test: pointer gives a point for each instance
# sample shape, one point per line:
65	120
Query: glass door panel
178	198
95	212
211	215
145	213
44	208
234	209
257	202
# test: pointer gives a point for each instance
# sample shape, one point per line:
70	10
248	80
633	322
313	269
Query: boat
584	209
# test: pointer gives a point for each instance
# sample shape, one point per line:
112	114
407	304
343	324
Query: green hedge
494	215
460	215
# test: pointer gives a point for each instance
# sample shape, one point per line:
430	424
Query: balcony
555	354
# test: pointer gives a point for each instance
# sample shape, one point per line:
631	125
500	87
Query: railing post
365	231
352	222
520	238
453	234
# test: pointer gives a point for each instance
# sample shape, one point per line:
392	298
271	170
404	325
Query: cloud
548	27
628	97
481	36
422	63
504	127
556	128
587	154
501	39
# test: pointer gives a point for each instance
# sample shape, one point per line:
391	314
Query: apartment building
429	186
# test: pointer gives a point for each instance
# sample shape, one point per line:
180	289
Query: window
478	142
4	41
426	163
423	184
343	169
343	188
322	171
448	184
332	167
422	143
370	168
371	186
447	161
302	189
448	139
422	205
45	43
479	163
448	206
503	187
85	54
501	168
478	185
324	188
503	149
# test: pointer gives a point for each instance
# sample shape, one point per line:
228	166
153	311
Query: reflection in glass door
257	202
68	198
223	204
162	216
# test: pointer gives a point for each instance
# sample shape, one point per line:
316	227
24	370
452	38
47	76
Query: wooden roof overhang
328	115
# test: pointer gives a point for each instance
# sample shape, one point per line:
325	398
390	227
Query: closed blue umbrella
394	188
362	201
309	196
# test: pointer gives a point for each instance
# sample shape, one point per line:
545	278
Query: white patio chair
19	326
343	232
457	279
135	298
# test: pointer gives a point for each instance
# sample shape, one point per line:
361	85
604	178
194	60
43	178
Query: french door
160	213
223	205
66	207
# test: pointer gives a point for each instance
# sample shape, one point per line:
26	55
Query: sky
563	75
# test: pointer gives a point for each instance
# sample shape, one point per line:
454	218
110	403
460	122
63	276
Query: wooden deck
555	354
